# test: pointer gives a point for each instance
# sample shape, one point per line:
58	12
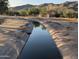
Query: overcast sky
13	3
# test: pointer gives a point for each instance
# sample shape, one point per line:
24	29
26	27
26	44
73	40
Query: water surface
40	45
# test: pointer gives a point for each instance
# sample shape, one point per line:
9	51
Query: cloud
72	0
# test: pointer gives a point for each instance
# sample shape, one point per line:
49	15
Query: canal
40	45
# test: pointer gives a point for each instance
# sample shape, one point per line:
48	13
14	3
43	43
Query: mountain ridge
73	4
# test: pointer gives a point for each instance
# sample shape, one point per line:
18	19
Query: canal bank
13	36
65	34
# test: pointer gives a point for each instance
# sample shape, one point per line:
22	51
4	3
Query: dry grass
13	22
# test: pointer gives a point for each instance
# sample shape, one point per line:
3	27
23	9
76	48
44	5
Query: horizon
14	3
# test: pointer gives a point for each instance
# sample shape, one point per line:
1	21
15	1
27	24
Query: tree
3	6
69	13
23	12
34	11
43	11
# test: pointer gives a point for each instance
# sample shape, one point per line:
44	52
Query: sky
13	3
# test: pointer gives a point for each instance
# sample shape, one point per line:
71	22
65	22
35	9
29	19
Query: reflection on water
40	45
37	24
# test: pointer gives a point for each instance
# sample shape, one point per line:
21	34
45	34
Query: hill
73	5
23	7
67	10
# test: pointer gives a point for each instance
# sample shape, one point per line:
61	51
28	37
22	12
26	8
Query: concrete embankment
13	38
65	34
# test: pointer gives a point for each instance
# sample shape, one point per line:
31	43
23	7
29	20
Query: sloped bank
65	36
13	36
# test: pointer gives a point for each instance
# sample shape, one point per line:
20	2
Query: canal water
40	45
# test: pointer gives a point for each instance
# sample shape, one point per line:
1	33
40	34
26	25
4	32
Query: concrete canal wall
65	34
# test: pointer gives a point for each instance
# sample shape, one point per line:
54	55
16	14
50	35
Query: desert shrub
34	11
68	13
43	11
22	12
12	13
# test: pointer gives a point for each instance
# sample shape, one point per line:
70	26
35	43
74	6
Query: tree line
42	11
